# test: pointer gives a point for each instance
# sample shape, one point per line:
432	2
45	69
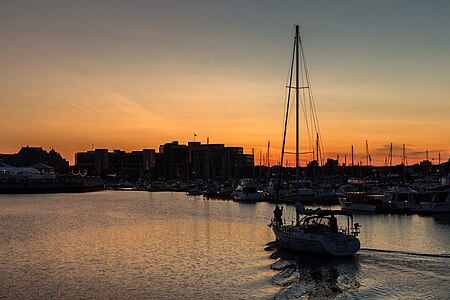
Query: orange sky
137	75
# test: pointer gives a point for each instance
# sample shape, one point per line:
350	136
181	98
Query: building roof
2	164
41	166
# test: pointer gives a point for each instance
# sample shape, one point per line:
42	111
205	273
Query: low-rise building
118	163
33	155
204	161
174	161
36	172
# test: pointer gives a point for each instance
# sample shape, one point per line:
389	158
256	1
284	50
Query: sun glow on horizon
137	75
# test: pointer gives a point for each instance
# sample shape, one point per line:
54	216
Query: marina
151	150
166	245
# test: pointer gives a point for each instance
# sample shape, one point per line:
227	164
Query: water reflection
312	276
138	245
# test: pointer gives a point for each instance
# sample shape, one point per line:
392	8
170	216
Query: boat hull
249	197
433	208
345	205
371	204
439	204
293	238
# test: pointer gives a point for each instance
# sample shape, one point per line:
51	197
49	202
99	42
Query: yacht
403	199
326	195
247	191
364	202
440	202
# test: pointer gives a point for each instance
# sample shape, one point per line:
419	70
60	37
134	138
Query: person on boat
333	224
299	208
314	227
278	213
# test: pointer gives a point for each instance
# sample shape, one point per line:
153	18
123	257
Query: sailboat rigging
315	231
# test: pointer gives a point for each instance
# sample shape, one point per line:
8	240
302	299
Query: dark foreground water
140	245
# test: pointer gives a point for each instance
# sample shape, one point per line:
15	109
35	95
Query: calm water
140	245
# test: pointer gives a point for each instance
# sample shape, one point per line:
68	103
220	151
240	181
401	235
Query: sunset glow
135	74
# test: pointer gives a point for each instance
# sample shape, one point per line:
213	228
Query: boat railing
355	230
323	229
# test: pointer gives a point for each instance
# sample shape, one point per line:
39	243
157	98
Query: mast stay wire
315	120
308	107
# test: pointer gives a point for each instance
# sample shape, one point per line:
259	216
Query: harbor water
162	245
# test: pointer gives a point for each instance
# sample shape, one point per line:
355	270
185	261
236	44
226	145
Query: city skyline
139	74
260	158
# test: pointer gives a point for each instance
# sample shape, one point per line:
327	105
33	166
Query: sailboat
315	231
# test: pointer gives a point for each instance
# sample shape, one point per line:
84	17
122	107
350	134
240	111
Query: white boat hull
430	207
345	205
440	203
441	207
295	238
241	196
362	207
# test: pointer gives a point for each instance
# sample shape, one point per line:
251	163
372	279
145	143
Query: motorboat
302	194
290	192
364	202
326	195
247	191
440	203
403	199
194	192
275	191
247	194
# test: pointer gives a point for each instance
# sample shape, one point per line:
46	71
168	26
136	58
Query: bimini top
325	212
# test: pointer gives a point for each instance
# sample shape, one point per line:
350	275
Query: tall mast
297	107
390	159
405	158
367	153
317	156
390	156
353	163
286	120
317	148
268	154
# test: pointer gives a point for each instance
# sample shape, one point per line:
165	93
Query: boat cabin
321	221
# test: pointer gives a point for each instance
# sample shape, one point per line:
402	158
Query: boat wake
371	274
312	276
407	253
271	246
